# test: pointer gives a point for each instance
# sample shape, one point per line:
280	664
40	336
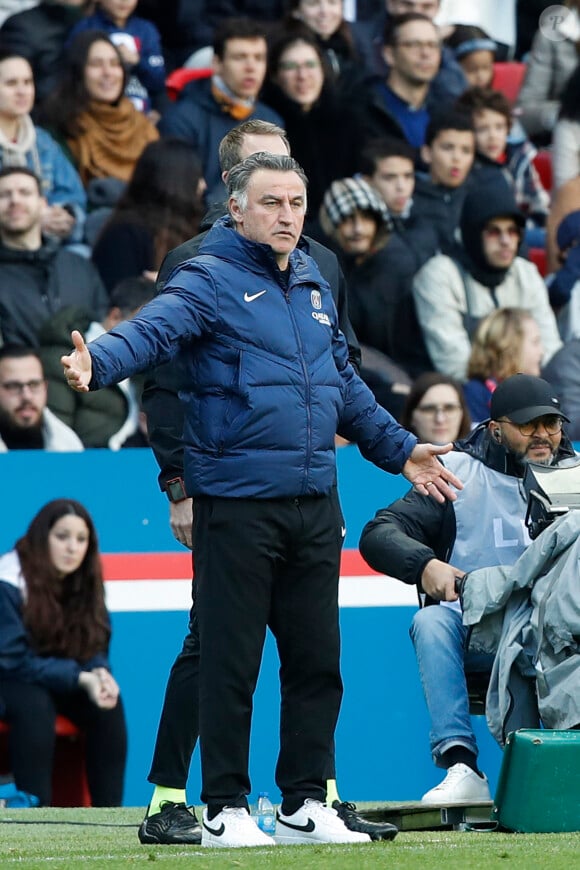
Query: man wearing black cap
432	545
453	293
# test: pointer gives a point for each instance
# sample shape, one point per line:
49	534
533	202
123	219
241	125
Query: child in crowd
388	165
475	51
505	342
492	119
449	151
139	44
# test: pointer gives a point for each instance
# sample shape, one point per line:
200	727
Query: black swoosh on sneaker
307	828
217	832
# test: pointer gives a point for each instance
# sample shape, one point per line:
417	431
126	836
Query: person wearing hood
433	545
453	293
38	276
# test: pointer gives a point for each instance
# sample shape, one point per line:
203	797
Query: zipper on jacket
308	391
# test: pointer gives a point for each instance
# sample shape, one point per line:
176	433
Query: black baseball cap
522	398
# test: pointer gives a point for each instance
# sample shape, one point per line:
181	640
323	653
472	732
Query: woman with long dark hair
88	111
436	410
319	123
54	640
161	207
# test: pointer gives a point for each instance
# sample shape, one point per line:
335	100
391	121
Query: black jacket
34	285
160	400
402	538
441	207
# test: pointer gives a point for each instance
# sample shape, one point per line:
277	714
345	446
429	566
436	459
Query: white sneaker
460	786
232	828
314	822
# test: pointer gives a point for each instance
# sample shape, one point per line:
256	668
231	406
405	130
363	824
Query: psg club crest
316	299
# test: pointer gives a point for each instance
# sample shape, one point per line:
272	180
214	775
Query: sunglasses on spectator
433	410
294	66
495	232
16	388
552	425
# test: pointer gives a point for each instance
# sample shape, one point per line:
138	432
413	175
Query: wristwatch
175	489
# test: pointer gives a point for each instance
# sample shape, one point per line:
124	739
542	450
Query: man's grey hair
240	176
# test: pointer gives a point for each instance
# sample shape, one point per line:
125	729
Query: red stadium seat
177	80
543	163
539	258
69	781
508	78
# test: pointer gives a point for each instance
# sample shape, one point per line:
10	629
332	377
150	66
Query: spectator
433	546
110	417
208	108
566	200
324	19
566	138
379	264
39	34
54	640
37	275
452	294
160	208
320	126
25	421
139	44
24	144
184	25
435	410
550	65
102	128
492	118
564	287
563	370
448	151
399	104
475	51
449	81
505	342
388	166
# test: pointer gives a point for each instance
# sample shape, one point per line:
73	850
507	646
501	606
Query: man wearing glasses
431	545
25	421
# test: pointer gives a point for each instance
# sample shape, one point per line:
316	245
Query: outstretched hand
428	475
78	367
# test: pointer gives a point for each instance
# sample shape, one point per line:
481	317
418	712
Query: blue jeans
439	638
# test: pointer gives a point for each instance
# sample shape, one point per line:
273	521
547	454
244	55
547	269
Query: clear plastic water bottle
265	815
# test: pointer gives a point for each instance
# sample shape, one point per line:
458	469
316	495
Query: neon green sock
331	792
175	795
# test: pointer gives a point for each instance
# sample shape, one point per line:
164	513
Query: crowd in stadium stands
415	120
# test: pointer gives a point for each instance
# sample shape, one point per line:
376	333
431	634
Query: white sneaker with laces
461	785
231	829
314	822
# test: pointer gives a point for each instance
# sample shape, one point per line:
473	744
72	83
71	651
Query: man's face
450	157
417	53
21	205
356	234
539	442
275	211
22	392
491	133
430	8
243	66
501	240
394	179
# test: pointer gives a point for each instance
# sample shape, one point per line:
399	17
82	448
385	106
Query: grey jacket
529	616
550	66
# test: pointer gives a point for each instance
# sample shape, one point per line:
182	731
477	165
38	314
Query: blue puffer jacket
265	372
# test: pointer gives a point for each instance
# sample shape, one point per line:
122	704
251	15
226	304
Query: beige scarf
111	140
15	153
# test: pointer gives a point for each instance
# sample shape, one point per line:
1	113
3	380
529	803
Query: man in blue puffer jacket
253	325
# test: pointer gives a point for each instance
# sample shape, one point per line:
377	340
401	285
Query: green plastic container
538	790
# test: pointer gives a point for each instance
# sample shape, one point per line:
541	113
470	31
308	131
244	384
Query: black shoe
175	824
355	822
